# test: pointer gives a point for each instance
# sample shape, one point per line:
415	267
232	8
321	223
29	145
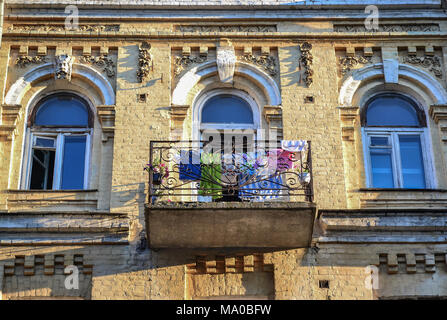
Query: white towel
294	145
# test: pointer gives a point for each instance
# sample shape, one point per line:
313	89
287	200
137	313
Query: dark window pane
226	109
391	111
73	162
412	162
382	170
379	141
59	111
45	142
42	169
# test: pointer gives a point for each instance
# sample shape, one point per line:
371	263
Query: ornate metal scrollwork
259	173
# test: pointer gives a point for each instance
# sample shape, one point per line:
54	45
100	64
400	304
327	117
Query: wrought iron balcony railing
191	171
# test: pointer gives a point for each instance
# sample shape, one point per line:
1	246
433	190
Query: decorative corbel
272	113
273	116
10	115
106	115
178	115
438	112
348	118
226	63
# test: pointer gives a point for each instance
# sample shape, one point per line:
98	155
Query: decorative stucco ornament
226	61
64	67
145	61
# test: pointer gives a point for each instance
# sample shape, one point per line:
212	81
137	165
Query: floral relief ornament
145	61
432	63
185	61
264	61
103	61
23	61
350	62
306	60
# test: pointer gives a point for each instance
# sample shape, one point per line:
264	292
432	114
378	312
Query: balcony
213	194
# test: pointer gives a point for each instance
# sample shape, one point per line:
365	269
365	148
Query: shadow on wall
292	73
131	68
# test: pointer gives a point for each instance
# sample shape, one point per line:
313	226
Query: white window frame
60	135
199	127
392	134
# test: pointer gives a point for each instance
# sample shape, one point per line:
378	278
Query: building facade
347	97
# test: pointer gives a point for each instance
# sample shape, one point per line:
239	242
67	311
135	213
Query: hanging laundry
211	175
189	167
294	145
263	188
280	160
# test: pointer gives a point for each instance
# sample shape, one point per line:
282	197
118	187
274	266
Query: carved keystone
226	62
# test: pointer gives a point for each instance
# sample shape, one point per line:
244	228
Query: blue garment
258	182
263	188
189	167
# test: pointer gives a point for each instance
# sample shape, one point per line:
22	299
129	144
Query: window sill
51	200
402	198
399	190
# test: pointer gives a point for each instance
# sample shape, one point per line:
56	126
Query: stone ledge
231	225
382	225
51	200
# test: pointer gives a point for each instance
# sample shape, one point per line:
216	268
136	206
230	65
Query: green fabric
211	173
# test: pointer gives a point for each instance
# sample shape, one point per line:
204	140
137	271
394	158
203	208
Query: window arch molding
411	79
203	98
88	75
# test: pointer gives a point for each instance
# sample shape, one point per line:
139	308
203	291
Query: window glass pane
379	141
412	162
73	162
45	143
42	169
391	111
382	169
62	111
226	109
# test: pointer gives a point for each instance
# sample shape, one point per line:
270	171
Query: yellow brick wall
119	272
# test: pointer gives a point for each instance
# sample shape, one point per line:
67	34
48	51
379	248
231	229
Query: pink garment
280	160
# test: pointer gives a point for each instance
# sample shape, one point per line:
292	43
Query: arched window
227	109
60	128
228	118
395	134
